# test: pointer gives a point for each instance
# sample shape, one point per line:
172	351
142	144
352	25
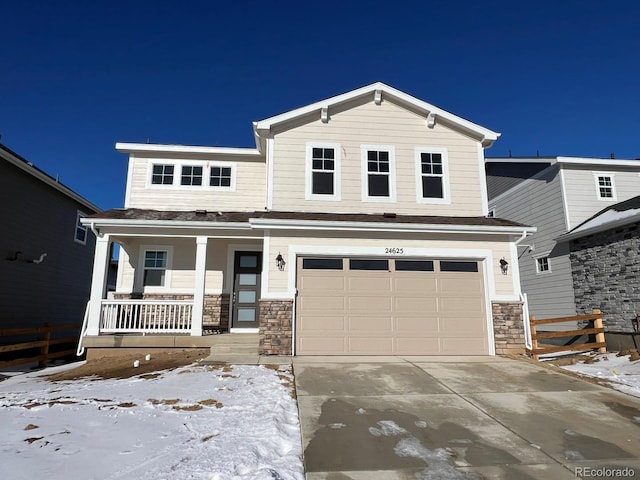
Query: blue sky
556	77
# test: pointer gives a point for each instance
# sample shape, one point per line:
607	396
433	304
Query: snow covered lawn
194	422
620	372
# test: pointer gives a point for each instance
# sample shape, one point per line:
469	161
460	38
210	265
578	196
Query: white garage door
378	306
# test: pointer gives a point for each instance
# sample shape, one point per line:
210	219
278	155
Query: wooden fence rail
42	345
597	329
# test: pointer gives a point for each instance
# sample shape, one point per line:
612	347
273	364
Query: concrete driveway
451	418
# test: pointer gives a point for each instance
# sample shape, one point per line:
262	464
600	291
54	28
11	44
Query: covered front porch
175	282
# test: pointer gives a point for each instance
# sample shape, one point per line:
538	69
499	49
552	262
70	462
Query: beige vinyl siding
538	202
582	195
370	124
249	194
346	243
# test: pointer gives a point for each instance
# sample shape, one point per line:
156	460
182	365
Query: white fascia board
280	224
144	147
600	162
488	136
550	160
112	222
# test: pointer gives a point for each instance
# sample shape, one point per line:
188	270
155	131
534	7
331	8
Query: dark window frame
191	175
162	174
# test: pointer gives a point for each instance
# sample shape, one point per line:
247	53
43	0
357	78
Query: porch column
98	283
198	293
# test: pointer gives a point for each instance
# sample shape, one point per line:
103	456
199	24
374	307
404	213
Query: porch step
236	349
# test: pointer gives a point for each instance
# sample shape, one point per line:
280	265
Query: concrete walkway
388	418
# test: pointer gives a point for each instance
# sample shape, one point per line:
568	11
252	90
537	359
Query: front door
246	289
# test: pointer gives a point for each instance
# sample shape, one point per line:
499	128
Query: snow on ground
194	422
620	372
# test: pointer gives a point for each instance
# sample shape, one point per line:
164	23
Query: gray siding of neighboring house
606	275
504	176
38	219
538	202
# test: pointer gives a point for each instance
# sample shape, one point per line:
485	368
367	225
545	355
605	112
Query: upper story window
378	173
432	177
605	186
220	177
191	175
322	171
187	175
162	174
81	230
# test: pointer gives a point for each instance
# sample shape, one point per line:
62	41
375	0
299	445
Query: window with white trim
220	176
81	230
605	186
542	265
155	268
378	173
162	174
191	175
432	183
322	173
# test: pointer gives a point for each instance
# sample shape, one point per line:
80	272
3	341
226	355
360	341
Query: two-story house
556	194
47	254
357	225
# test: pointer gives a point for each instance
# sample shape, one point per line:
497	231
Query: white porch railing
146	316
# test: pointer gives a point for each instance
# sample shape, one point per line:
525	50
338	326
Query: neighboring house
605	263
554	194
357	225
47	254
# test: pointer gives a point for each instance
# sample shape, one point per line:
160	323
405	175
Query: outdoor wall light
280	262
504	266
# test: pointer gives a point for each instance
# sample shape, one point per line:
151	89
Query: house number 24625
394	250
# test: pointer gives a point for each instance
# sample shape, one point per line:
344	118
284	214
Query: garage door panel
378	283
379	325
417	325
322	345
415	284
459	285
322	303
418	346
369	304
416	305
308	324
370	345
463	346
462	326
460	306
321	283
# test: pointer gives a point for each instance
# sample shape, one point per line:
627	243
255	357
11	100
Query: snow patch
388	428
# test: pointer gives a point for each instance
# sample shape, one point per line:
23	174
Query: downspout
95	231
525	306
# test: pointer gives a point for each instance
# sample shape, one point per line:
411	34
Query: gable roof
613	216
40	175
377	92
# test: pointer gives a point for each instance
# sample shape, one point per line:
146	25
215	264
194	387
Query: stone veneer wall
276	335
508	327
606	275
216	307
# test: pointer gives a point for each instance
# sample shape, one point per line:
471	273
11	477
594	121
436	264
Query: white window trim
139	280
177	174
364	178
80	215
537	265
611	175
446	198
308	175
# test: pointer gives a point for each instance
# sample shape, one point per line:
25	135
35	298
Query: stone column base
276	335
508	328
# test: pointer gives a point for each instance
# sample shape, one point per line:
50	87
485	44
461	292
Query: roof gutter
109	222
287	224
